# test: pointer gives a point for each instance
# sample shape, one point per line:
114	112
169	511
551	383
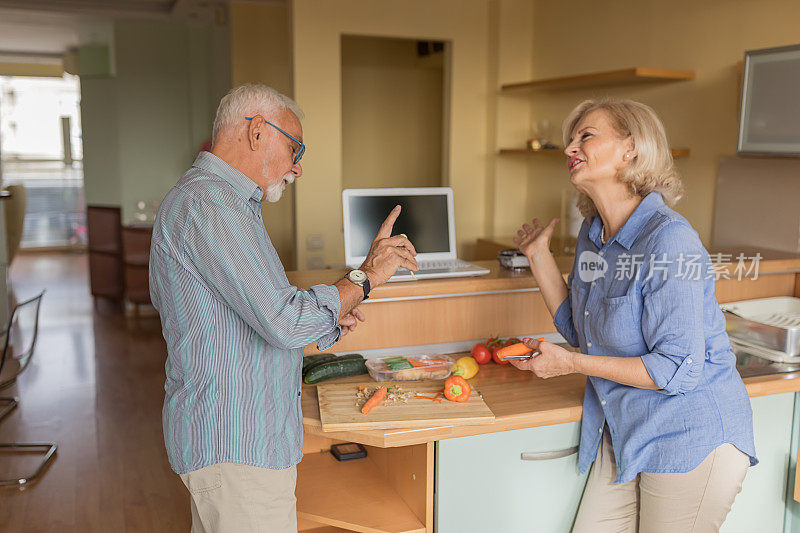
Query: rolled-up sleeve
562	320
328	298
672	314
226	251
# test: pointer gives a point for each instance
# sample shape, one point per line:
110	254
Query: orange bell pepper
456	389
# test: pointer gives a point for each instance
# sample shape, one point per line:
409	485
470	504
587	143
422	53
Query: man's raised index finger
386	228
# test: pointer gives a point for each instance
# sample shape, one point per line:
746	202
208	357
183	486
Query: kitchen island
521	469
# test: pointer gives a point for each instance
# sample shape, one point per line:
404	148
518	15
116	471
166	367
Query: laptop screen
424	219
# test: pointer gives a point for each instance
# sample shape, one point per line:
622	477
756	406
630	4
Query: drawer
525	480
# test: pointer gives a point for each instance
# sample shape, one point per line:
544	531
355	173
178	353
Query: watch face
357	275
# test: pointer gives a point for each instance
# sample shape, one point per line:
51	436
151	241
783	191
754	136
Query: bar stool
18	350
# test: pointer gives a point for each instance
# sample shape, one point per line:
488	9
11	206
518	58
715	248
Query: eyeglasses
300	151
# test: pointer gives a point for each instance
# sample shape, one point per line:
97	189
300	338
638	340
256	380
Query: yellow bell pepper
466	367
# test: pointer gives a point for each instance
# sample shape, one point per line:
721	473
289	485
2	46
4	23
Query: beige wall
707	37
391	114
511	56
502	41
261	53
317	30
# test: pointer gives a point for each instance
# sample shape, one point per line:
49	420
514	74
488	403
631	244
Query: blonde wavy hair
652	167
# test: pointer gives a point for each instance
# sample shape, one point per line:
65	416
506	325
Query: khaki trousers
238	498
697	501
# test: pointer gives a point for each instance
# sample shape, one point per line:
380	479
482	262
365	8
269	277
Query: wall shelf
599	79
676	152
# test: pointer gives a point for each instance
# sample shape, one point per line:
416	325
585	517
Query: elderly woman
666	418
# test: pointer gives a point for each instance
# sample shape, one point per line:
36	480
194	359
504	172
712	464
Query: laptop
427	220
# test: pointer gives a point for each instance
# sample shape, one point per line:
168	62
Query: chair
15	218
104	228
136	260
15	207
18	350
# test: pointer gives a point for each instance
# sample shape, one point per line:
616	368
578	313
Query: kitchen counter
394	487
518	400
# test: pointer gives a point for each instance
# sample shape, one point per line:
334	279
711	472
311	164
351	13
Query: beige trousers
237	498
697	501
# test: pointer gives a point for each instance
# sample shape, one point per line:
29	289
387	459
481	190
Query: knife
522	357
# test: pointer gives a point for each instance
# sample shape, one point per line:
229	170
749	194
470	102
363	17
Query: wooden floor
95	387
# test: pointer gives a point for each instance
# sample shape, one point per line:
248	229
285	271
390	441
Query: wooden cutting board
339	411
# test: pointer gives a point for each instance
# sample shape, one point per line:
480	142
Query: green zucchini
336	369
309	360
329	358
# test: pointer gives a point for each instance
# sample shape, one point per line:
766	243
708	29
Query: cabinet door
761	504
483	484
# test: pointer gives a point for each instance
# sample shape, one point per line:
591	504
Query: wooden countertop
518	399
500	279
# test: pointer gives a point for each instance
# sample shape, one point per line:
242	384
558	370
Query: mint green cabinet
762	503
483	483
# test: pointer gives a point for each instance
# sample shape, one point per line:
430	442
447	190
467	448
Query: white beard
275	191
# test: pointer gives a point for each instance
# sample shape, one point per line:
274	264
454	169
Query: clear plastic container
410	367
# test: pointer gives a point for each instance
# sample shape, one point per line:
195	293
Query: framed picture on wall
769	118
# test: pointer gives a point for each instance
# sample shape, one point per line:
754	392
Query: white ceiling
55	26
96	7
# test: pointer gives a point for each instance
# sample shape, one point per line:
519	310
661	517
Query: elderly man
235	328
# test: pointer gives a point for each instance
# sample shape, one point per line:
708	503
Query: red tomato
491	341
512	340
495	358
481	354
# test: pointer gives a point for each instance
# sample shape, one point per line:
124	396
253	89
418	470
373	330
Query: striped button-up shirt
649	292
234	326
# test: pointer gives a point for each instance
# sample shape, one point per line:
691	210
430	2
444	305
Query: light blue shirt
234	326
656	301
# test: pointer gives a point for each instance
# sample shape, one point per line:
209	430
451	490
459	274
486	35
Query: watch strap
366	288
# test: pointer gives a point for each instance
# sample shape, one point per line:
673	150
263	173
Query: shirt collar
219	167
633	226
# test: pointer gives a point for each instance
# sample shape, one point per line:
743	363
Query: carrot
376	399
416	363
519	348
423	397
515	349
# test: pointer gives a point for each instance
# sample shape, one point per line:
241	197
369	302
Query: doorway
41	149
393	101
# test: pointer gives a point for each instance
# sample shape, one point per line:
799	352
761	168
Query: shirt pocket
616	325
578	296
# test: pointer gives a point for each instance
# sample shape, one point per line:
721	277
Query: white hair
250	100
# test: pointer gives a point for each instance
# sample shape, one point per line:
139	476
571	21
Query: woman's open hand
534	238
552	360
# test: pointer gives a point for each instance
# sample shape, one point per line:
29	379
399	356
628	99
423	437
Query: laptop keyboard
437	267
446	264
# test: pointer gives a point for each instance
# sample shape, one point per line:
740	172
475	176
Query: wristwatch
360	278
